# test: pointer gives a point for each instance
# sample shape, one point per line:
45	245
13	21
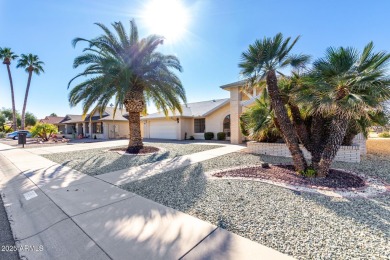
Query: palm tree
261	61
129	71
7	56
258	122
30	63
345	87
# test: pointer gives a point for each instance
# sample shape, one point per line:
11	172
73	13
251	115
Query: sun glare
168	18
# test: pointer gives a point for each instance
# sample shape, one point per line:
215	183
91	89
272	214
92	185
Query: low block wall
345	154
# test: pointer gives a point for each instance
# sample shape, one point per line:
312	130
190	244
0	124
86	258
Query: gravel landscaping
100	161
304	225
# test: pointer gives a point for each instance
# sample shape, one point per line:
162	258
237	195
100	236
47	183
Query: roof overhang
250	101
227	101
233	85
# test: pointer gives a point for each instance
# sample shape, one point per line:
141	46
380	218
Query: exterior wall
116	129
235	113
345	154
145	126
187	126
214	122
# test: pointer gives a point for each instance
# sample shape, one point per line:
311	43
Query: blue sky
217	33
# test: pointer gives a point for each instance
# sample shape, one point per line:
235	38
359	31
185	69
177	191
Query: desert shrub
384	135
221	136
43	130
310	172
257	123
208	135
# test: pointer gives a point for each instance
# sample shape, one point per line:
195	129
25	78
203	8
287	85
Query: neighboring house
103	126
54	120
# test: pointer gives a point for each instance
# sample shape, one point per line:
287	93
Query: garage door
164	129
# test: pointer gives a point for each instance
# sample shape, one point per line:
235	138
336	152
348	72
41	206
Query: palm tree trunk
135	104
286	126
25	100
319	135
337	132
135	142
300	127
14	124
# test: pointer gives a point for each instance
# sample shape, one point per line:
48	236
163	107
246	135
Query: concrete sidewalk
63	214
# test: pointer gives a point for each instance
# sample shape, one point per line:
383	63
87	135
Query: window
199	125
97	128
226	126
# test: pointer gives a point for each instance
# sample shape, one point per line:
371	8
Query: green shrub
2	135
221	136
43	131
192	138
208	135
309	173
384	135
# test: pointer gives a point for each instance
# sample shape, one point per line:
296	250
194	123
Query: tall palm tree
7	56
122	67
344	87
261	61
30	63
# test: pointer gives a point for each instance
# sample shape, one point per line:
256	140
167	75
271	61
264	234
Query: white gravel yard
100	161
304	225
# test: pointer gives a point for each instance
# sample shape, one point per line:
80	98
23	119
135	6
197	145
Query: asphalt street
7	243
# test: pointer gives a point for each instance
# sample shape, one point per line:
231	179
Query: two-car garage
161	129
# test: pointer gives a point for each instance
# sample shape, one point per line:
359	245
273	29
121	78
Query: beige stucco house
218	115
103	127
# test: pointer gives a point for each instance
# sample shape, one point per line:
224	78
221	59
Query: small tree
43	130
53	114
30	119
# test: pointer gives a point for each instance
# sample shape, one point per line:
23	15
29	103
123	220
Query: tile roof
196	109
120	115
68	119
51	119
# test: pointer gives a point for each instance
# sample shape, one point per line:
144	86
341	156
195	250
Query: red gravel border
336	179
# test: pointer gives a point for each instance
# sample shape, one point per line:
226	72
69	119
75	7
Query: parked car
14	135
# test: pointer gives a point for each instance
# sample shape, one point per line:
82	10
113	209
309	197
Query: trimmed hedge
208	135
221	136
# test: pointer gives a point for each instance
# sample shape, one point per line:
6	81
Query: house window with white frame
199	125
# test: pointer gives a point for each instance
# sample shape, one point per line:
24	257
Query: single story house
103	126
54	120
218	115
